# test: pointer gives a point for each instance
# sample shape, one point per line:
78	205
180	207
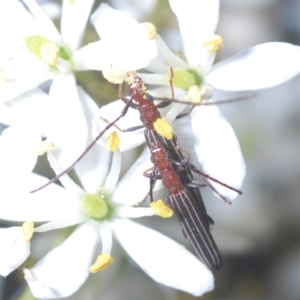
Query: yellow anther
49	53
44	147
101	263
162	209
112	142
163	128
149	30
2	77
213	44
71	1
27	230
194	94
114	76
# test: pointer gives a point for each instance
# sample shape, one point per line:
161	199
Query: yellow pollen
2	77
49	53
112	142
101	263
213	44
114	76
163	128
27	230
194	94
162	209
71	1
44	147
149	30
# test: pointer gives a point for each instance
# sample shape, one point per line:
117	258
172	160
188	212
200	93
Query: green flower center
184	79
96	207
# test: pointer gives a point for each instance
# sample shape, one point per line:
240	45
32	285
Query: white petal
115	29
137	9
133	187
110	112
134	212
114	173
23	109
73	21
218	149
62	271
259	67
14	11
14	249
44	22
166	58
92	169
17	204
22	72
67	124
18	151
66	181
106	54
197	20
163	259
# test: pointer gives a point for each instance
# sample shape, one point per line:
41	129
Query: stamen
101	263
149	30
194	94
27	230
163	128
112	142
162	209
213	44
94	206
114	76
71	1
44	147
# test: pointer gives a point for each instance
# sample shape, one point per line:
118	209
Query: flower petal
13	11
134	181
14	249
172	265
165	58
18	151
117	29
73	21
21	73
17	204
44	22
93	168
138	10
218	149
110	112
259	67
23	109
197	21
50	277
67	128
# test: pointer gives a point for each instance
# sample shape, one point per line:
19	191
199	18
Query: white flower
117	30
205	131
34	52
101	211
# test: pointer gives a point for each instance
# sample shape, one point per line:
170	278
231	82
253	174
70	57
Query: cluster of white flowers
35	52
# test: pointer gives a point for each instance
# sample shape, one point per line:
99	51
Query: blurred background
258	235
